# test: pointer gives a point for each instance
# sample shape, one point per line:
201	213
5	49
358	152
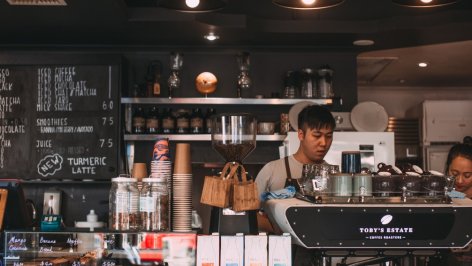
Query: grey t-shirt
273	175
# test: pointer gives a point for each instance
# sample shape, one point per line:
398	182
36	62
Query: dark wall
268	68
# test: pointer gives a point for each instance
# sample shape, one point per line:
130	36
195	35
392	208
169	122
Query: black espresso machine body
417	227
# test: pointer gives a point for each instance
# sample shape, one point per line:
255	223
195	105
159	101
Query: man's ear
301	134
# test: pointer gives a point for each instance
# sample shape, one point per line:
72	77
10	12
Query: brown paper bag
245	193
217	189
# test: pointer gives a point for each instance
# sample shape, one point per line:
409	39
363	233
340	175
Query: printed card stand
232	250
280	250
255	250
51	222
208	250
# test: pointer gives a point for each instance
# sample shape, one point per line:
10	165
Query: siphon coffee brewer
233	136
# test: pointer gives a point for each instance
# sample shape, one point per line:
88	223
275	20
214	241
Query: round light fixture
211	37
422	64
193	6
307	4
424	3
363	42
192	3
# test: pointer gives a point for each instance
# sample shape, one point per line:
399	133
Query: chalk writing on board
50	164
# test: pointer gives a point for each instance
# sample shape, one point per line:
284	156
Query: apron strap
287	169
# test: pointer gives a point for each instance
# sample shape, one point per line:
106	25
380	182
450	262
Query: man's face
315	143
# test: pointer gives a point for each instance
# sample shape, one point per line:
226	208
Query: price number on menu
108	263
107	105
106	143
107	121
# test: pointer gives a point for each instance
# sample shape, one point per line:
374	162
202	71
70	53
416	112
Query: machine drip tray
317	199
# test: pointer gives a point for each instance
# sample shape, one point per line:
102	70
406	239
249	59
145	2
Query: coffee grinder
233	137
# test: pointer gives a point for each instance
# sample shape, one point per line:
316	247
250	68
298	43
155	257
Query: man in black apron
315	132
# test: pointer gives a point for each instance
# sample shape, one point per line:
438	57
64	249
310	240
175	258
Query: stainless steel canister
325	82
351	162
341	184
362	185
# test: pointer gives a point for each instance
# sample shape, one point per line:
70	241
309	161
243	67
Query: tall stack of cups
161	166
182	189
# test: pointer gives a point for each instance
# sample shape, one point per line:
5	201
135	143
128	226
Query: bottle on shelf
168	122
209	119
182	122
196	121
139	122
152	121
153	78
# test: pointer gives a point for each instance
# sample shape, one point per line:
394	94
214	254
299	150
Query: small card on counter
208	250
232	250
280	250
255	250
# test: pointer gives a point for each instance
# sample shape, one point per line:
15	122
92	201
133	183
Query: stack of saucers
182	189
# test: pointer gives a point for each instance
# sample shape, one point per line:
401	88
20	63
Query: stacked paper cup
182	189
161	165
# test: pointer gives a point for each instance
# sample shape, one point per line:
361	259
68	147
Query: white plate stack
182	189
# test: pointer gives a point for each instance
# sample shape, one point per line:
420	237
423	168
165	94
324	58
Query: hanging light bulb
192	3
308	2
424	3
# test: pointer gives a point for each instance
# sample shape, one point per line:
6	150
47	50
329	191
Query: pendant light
307	4
424	3
193	6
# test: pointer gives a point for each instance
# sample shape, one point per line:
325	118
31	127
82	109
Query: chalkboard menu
59	121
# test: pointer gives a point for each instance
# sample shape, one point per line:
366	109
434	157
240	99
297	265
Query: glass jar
152	121
308	84
168	122
123	204
325	82
139	122
290	89
209	119
196	121
133	191
154	205
182	122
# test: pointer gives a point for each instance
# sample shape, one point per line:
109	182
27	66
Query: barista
315	132
459	165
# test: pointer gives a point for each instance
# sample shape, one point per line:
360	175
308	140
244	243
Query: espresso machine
233	137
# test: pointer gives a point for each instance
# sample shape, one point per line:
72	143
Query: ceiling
443	33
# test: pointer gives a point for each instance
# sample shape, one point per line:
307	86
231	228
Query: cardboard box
255	250
208	250
280	250
232	250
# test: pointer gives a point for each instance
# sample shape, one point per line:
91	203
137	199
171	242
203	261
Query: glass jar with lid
154	205
196	121
123	208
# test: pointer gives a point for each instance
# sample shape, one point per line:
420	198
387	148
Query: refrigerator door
435	157
446	121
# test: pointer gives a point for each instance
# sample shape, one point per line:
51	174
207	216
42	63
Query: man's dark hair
462	150
315	117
